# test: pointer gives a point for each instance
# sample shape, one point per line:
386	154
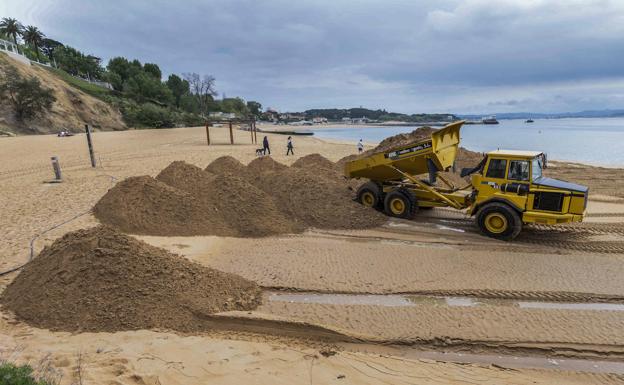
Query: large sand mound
101	280
227	165
274	199
143	205
314	200
314	161
263	165
234	202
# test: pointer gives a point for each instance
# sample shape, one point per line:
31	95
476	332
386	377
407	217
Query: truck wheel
400	203
370	195
497	220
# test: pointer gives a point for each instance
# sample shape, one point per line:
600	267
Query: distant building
319	120
292	116
361	120
270	115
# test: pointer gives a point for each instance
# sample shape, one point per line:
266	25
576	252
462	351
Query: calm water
597	140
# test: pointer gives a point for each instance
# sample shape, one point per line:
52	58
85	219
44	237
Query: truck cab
510	191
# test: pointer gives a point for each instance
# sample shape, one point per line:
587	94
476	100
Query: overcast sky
470	56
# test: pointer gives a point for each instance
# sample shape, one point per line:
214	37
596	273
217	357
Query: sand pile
273	199
263	165
239	205
101	280
314	161
421	133
143	205
314	200
227	164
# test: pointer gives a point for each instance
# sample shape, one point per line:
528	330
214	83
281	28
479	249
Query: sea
596	141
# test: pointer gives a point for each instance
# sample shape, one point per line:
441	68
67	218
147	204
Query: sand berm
230	199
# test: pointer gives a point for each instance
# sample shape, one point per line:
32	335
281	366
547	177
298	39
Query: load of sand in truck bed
229	199
102	280
465	158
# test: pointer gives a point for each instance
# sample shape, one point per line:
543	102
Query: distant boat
489	120
529	121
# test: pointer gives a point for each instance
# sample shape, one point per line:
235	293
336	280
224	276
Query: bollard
90	144
57	169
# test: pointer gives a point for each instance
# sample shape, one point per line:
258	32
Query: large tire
370	194
500	221
400	203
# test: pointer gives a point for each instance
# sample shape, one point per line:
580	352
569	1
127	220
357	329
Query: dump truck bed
414	158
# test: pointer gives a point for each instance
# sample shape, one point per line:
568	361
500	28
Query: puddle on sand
502	360
394	300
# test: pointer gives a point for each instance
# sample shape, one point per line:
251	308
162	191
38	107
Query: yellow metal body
536	199
488	188
410	159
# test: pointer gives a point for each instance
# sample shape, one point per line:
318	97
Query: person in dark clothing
265	145
289	146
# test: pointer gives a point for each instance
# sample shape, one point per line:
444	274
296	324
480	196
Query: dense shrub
11	374
25	95
148	115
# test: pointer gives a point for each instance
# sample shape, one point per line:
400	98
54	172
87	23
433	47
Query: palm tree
34	37
11	27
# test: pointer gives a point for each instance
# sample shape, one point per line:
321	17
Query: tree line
138	89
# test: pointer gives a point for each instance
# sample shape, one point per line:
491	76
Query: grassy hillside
75	103
84	86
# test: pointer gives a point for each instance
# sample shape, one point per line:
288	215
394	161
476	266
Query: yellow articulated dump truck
507	188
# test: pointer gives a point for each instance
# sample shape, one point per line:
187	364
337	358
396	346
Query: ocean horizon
595	141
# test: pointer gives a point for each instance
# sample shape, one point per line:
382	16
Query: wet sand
440	253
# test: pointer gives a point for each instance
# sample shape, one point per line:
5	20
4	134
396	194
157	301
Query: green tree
77	63
144	87
153	69
33	36
235	105
26	96
189	103
11	27
124	68
115	80
178	87
48	46
254	108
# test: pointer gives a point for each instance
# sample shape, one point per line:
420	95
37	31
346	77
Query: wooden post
57	169
251	130
208	133
231	134
255	133
90	144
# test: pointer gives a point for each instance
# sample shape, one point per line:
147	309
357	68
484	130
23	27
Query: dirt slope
72	109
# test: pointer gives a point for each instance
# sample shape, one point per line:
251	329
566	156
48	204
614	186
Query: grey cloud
445	55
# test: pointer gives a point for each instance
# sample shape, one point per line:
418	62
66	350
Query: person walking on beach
265	145
360	146
289	146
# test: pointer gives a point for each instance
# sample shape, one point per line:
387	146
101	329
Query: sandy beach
425	264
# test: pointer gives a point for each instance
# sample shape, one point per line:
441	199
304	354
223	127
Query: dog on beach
259	151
